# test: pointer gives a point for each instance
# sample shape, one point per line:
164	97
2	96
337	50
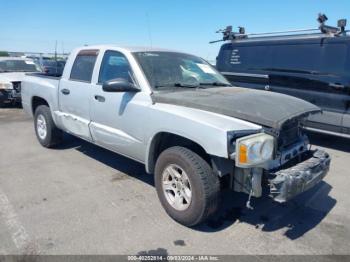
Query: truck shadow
296	217
118	162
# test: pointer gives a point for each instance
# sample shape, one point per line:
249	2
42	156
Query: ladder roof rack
322	30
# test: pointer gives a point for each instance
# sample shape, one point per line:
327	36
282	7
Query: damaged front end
290	182
292	169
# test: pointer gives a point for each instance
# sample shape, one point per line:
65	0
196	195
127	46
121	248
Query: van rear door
346	116
313	71
241	64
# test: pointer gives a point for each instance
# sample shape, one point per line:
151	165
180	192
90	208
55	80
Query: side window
84	65
114	65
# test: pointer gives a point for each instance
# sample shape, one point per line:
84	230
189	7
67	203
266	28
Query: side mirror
119	85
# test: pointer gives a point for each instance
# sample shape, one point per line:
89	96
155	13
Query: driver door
115	122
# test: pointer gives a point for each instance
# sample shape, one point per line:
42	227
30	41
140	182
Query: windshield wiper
200	85
177	85
185	85
215	84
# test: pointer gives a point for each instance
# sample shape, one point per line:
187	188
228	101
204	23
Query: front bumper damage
290	182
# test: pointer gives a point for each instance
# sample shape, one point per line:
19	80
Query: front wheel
186	186
45	129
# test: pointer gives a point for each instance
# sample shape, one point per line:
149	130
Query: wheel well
38	101
166	140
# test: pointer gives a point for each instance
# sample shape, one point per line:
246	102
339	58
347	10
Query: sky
35	26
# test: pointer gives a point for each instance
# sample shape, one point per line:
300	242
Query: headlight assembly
4	85
254	150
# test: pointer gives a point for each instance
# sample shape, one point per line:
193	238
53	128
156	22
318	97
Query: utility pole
56	51
62	49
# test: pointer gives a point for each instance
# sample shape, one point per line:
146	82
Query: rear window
297	58
83	66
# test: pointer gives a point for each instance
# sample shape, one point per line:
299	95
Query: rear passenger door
74	95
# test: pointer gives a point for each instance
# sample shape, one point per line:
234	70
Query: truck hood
12	77
259	107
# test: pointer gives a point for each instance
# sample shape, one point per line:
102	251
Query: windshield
12	65
166	70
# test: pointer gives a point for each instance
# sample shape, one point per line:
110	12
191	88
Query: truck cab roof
130	49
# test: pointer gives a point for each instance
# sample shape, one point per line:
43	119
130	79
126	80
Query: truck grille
17	86
289	134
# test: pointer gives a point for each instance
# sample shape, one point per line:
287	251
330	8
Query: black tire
53	135
205	185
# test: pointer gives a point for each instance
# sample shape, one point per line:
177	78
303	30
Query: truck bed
40	85
44	75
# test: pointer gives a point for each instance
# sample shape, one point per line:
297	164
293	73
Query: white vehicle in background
12	72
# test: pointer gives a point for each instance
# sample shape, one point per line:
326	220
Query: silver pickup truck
177	115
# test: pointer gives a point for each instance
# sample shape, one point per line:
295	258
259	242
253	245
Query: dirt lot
81	199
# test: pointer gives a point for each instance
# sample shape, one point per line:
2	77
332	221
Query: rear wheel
45	129
186	186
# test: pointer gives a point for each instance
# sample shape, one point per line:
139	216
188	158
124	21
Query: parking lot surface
82	199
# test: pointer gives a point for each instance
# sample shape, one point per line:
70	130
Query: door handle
65	91
100	98
337	86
